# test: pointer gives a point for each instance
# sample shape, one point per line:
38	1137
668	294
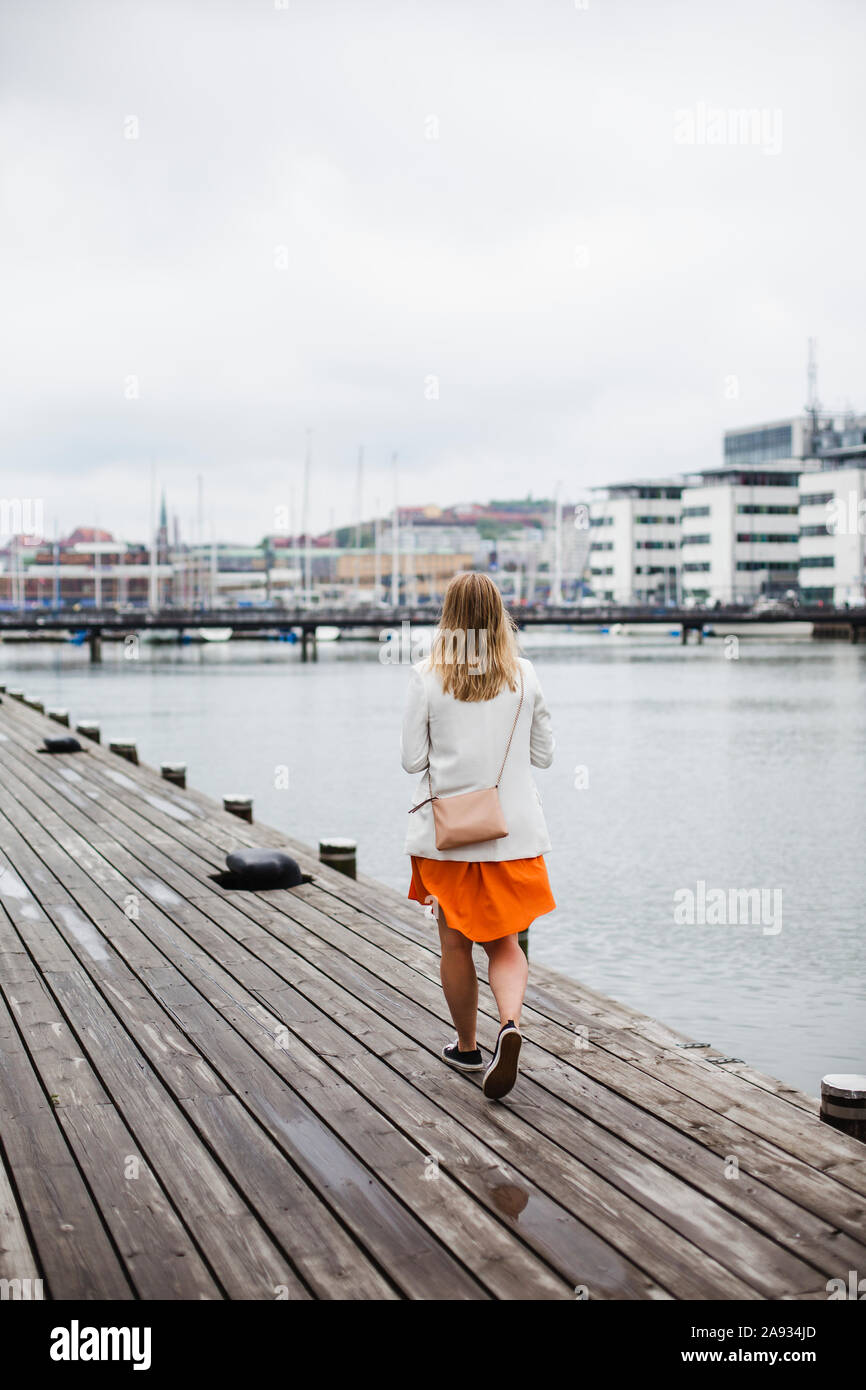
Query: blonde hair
475	623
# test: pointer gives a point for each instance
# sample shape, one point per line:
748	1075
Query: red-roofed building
88	535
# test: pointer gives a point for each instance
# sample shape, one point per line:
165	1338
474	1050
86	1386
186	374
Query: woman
464	701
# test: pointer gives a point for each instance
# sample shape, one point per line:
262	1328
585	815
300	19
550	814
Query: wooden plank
299	1221
69	1239
729	1239
249	1261
289	1122
422	1188
463	1236
158	1255
480	1238
500	1263
566	1042
548	994
788	1223
345	968
17	1256
394	910
685	1270
593	1145
795	1219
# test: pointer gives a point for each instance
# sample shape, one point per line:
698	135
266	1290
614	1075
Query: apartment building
740	533
833	517
634	541
423	575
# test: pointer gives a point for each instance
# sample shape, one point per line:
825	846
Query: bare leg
459	983
508	971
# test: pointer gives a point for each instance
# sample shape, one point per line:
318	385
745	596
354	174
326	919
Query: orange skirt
484	900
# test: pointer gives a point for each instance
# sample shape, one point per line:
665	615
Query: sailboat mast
556	589
395	541
153	593
305	506
377	560
359	486
199	539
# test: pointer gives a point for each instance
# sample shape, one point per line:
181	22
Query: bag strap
513	727
431	797
428	799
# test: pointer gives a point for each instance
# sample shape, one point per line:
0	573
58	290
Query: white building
437	539
634	547
544	558
833	536
740	520
833	516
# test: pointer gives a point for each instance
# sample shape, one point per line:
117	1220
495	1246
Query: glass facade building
751	448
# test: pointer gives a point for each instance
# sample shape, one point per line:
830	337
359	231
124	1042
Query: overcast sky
483	235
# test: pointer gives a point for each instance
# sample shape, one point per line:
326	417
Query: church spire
162	533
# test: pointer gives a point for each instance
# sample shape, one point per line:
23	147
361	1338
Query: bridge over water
305	619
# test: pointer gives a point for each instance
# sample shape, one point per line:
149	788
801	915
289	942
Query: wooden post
684	635
699	633
15	694
32	703
94	641
843	1103
174	772
124	748
340	854
60	716
239	806
90	729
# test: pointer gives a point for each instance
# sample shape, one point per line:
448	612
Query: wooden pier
208	1093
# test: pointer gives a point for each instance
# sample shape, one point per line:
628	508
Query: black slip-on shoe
501	1075
463	1061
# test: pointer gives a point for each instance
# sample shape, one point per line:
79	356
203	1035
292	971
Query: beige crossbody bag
470	817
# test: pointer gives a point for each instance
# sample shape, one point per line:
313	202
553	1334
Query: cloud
467	234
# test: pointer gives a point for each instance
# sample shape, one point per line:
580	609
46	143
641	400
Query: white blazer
464	742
